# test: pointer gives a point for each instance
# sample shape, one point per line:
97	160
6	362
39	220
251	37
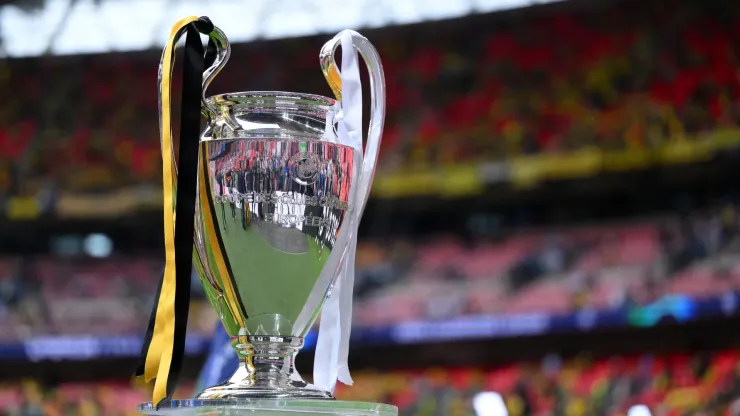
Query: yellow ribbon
231	298
159	355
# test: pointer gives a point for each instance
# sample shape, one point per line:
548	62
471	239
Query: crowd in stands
618	76
555	271
701	384
626	75
75	296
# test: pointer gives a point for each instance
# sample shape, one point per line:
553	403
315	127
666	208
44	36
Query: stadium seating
546	271
620	81
670	385
83	297
703	383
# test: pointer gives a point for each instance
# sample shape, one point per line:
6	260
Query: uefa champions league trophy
281	185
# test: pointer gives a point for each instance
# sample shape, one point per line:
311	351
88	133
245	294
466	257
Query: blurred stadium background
554	216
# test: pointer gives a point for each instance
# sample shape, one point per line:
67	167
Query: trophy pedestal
265	407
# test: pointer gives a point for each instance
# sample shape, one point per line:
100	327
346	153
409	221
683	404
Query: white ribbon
332	348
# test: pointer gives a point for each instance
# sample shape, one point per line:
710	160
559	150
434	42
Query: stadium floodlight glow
639	410
98	245
66	27
489	403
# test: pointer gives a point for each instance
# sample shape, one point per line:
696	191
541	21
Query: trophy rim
277	98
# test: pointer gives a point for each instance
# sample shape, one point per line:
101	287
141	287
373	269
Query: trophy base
263	389
238	407
271	378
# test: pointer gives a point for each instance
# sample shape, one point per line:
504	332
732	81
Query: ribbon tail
325	358
332	348
148	337
164	351
160	322
345	312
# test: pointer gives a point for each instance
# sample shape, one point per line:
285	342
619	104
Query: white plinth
229	407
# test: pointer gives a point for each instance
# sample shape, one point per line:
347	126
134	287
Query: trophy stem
266	371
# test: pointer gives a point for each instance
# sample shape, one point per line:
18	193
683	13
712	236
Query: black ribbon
195	65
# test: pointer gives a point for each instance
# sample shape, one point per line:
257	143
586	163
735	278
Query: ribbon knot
204	25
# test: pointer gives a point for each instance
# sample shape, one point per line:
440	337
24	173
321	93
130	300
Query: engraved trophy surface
276	191
273	200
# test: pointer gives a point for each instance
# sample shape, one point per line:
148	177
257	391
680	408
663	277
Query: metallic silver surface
377	99
223	52
275	191
267	372
276	407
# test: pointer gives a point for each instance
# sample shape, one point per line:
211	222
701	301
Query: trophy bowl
274	193
282	180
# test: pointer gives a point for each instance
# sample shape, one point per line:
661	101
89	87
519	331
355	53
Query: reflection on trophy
268	280
278	196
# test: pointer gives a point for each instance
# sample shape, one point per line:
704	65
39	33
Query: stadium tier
618	78
550	174
661	269
700	384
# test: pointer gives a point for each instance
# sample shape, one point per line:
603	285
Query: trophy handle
377	101
223	52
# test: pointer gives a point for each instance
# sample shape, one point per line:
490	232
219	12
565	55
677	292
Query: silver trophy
276	188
